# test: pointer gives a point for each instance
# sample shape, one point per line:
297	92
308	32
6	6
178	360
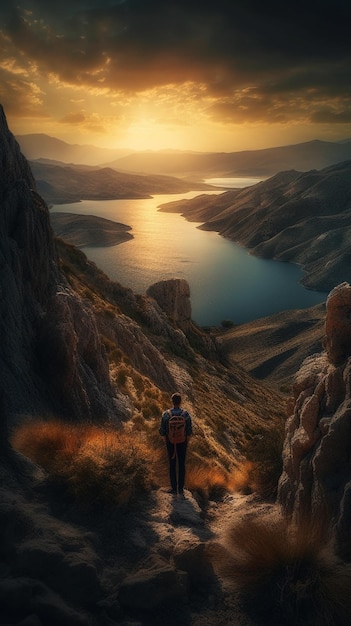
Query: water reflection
226	282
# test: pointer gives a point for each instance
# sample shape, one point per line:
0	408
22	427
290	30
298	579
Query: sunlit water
226	282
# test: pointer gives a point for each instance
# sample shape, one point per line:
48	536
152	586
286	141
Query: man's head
176	399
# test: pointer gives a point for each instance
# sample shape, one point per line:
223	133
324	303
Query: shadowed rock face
173	297
51	356
316	481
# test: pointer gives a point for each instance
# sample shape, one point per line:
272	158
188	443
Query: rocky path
178	570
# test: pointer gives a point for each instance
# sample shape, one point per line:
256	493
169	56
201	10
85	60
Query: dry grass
264	454
209	482
284	574
96	464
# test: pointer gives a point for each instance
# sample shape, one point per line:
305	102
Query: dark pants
177	463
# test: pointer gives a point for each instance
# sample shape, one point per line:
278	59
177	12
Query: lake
226	282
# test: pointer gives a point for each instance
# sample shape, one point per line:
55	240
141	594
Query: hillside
61	184
273	348
88	230
302	218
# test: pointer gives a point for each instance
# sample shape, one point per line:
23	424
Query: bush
95	463
264	453
208	481
111	467
286	574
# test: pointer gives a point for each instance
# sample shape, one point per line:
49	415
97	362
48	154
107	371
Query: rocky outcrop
173	297
51	356
316	481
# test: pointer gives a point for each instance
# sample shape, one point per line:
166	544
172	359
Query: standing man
176	427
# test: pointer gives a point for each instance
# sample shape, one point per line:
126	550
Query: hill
61	184
302	218
88	230
273	348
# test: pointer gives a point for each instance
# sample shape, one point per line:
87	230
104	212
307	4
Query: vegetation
102	464
264	453
94	463
286	574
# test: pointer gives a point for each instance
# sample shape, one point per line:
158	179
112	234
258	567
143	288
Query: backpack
176	430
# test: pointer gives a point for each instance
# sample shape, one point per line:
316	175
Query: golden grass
95	463
287	573
207	481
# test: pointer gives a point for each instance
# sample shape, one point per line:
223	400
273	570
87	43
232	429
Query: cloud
91	122
253	60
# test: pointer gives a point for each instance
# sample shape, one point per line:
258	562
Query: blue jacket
175	411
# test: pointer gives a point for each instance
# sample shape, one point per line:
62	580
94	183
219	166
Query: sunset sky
225	75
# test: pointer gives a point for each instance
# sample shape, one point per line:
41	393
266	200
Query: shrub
95	463
111	467
264	453
287	574
50	444
208	481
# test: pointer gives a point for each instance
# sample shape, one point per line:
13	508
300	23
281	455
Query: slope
302	218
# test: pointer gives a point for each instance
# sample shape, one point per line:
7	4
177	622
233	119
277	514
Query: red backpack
176	430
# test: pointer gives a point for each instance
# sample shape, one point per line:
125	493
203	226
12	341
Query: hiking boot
172	492
181	493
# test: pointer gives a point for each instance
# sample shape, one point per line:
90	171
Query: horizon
164	75
180	150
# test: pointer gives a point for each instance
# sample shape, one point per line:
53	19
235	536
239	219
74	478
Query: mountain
265	162
38	145
60	183
302	218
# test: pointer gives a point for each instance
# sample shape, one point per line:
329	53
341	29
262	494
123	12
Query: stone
193	558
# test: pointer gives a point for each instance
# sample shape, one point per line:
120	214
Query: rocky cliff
316	481
51	355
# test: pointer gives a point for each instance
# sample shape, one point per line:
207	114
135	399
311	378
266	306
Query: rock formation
51	355
316	481
173	297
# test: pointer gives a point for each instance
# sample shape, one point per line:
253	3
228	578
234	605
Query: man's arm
162	429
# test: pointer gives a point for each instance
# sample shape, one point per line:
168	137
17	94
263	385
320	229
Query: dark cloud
285	58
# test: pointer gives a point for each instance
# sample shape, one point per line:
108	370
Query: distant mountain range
194	165
59	183
41	146
302	218
267	162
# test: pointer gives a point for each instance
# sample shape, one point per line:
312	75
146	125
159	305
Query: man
176	451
